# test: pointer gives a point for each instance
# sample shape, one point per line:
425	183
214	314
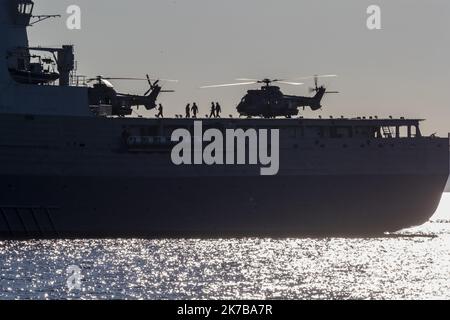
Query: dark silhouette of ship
72	165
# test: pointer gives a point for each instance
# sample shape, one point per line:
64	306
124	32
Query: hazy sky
403	69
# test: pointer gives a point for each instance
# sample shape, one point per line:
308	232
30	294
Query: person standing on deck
160	111
194	110
218	110
213	110
188	110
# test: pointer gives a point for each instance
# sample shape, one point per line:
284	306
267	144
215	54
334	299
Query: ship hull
212	207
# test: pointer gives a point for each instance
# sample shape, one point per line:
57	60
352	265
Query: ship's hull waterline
300	206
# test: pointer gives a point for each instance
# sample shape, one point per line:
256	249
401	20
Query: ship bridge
362	127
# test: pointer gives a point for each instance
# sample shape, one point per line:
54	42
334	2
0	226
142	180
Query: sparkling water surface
412	264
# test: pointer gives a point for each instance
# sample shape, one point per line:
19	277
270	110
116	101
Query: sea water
411	264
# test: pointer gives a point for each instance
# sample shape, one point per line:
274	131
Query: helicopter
102	93
270	102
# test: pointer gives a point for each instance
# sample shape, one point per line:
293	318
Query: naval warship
75	164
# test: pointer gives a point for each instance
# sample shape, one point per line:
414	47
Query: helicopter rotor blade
129	78
159	79
327	76
149	80
150	84
246	79
229	85
164	80
100	80
162	91
317	76
111	78
97	78
283	81
137	79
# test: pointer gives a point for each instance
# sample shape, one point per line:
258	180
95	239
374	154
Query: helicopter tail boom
152	97
317	100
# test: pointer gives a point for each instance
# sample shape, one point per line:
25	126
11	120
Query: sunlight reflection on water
411	267
404	267
443	212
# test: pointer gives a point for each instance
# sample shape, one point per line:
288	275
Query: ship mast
26	77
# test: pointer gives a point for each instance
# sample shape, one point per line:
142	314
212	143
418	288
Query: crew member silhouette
213	110
160	111
218	110
194	110
188	110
